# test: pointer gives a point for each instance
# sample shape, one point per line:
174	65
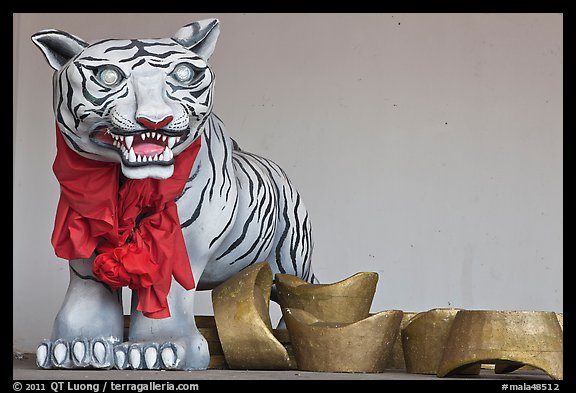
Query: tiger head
137	102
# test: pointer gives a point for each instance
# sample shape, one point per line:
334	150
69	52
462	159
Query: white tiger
140	103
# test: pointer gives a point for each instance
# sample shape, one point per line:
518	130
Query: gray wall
427	147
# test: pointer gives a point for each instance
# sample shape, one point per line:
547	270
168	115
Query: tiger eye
109	76
183	73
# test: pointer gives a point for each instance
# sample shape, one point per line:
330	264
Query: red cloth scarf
133	226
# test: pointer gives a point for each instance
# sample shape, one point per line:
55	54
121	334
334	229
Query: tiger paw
189	353
80	352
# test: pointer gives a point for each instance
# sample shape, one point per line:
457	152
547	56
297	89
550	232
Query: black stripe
208	136
240	239
232	215
269	164
195	58
225	174
283	236
139	63
110	102
255	172
125	93
144	52
189	89
100	42
196	213
171	97
263	225
229	178
294	244
265	243
306	234
192	177
76	115
140	45
236	160
90	58
158	65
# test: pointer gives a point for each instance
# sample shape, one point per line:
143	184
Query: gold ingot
241	310
345	301
397	357
502	368
424	339
217	362
359	347
508	339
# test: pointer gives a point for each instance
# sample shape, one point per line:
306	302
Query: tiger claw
80	352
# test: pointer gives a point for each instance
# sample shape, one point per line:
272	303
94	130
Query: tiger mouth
147	147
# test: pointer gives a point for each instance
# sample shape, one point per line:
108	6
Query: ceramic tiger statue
154	196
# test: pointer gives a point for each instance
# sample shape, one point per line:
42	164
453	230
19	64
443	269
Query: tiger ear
200	37
58	46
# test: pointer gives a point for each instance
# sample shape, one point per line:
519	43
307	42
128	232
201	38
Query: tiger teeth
125	144
171	142
128	141
167	154
131	156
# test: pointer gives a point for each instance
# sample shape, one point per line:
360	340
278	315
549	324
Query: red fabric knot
133	228
128	265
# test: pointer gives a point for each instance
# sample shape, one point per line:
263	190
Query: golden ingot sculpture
345	301
508	339
424	339
502	368
397	361
241	310
359	347
560	317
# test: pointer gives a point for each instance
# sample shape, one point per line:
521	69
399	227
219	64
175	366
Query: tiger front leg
172	343
88	325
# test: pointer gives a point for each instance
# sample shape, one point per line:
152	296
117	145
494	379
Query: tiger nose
154	125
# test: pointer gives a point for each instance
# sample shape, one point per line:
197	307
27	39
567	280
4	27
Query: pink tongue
147	149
